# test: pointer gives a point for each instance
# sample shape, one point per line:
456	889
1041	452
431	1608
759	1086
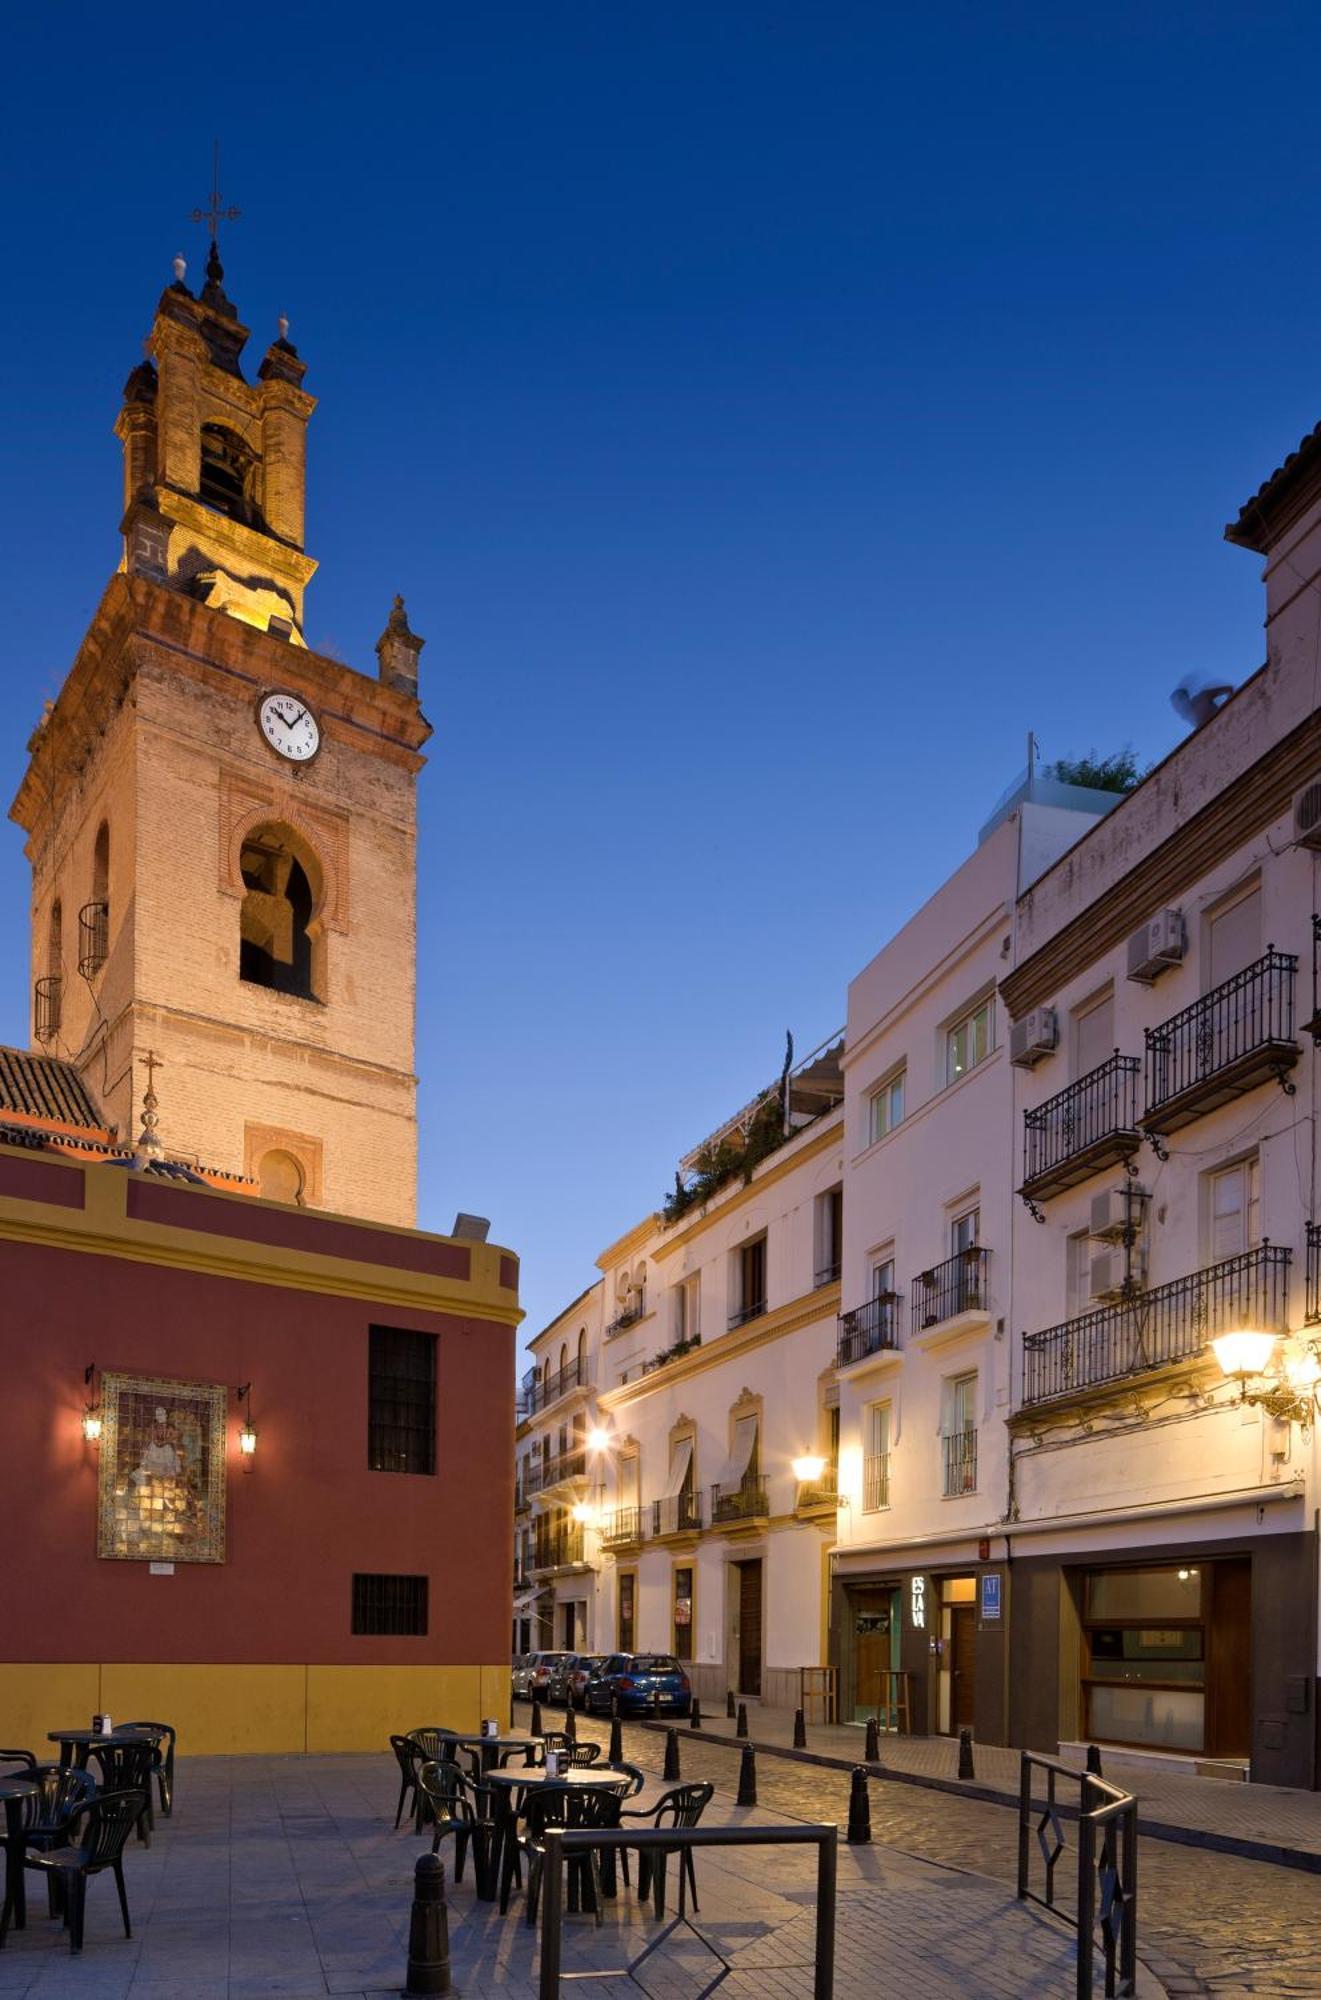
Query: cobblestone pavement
1209	1923
284	1879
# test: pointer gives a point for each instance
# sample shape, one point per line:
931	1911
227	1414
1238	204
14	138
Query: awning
745	1443
681	1458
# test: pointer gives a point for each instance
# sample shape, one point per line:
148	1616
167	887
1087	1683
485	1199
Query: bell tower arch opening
281	936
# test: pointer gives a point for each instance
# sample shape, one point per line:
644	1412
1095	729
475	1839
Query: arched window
228	474
101	866
582	1354
277	942
281	1177
564	1357
55	940
94	917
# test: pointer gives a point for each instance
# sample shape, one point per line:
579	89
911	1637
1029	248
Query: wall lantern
584	1513
598	1438
808	1467
91	1410
247	1429
1291	1394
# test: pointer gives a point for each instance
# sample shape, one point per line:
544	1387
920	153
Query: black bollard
729	1703
800	1730
872	1752
670	1772
859	1808
965	1754
511	1711
741	1726
747	1777
1094	1760
428	1930
570	1724
535	1724
616	1752
695	1714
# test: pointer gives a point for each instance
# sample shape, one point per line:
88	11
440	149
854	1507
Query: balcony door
749	1627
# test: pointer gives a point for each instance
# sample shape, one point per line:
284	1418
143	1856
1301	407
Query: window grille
390	1606
401	1413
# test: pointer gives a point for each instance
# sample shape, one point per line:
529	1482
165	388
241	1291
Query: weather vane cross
214	213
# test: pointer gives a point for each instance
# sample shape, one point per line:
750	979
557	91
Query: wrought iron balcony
1237	1036
1168	1324
680	1514
1313	1273
752	1310
959	1453
635	1310
745	1502
93	938
1091	1125
561	1550
622	1529
961	1284
827	1274
540	1391
550	1471
819	1496
47	1007
868	1329
875	1481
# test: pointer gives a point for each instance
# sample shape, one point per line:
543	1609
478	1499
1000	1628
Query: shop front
923	1650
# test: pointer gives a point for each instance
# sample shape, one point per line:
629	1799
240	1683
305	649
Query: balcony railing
752	1310
745	1502
540	1391
875	1481
621	1528
1170	1323
565	1465
959	1452
819	1494
93	938
1082	1130
961	1284
1233	1038
635	1310
47	1006
868	1329
1313	1273
680	1514
827	1274
559	1551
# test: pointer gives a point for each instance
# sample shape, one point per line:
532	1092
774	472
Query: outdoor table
490	1748
13	1791
75	1743
507	1783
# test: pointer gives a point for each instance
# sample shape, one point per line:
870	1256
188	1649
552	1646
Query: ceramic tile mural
162	1472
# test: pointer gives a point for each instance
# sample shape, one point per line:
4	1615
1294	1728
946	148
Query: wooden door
749	1628
963	1666
1227	1609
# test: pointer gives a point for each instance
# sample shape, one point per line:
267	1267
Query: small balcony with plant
621	1528
805	1092
741	1507
951	1298
868	1335
677	1517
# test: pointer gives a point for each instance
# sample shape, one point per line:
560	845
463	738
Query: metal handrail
1099	1106
562	1843
1103	1808
620	1527
48	1007
875	1481
868	1329
1171	1322
559	1550
93	938
960	1461
1251	1012
754	1310
539	1392
961	1284
677	1514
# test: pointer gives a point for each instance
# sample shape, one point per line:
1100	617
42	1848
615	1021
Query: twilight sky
769	413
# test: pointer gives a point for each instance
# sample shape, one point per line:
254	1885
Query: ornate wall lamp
247	1429
91	1409
1291	1391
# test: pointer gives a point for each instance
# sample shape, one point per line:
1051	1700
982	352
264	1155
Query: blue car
642	1683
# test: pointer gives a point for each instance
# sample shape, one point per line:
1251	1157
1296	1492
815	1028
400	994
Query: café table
13	1791
490	1749
76	1743
511	1787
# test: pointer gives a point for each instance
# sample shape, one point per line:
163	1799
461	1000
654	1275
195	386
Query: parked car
519	1674
557	1683
540	1670
580	1673
643	1683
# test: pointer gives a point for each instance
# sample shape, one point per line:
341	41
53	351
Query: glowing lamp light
597	1438
1304	1371
808	1467
91	1424
584	1513
247	1438
1243	1354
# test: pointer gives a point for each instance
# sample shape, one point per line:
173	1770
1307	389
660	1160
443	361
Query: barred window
401	1401
390	1605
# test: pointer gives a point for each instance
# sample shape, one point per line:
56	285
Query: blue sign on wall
990	1595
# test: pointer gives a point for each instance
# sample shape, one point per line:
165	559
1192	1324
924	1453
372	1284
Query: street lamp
808	1467
598	1438
1291	1395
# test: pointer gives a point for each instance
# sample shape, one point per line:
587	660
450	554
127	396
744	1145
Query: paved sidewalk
1266	1821
284	1877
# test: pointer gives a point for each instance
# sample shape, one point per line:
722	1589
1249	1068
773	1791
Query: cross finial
215	213
150	1145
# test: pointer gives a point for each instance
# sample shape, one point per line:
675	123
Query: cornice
633	1239
1247	805
786	1319
776	1169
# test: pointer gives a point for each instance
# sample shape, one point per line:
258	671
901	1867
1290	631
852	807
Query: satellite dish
1200	696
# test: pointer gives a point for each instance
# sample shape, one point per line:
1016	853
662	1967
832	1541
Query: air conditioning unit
1116	1211
1307	815
1156	947
1035	1036
1109	1268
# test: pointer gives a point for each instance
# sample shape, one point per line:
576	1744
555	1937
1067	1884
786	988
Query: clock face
290	727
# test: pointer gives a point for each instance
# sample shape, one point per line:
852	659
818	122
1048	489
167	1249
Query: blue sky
769	413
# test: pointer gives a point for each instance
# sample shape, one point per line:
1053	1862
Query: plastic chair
43	1823
163	1736
559	1806
107	1821
127	1767
682	1806
637	1779
409	1758
456	1807
23	1758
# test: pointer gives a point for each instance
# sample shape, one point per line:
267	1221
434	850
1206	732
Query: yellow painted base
236	1710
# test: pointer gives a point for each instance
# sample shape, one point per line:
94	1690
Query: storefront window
1145	1673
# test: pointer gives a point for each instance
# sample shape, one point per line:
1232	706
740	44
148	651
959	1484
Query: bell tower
221	822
